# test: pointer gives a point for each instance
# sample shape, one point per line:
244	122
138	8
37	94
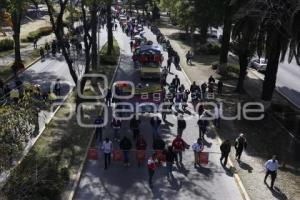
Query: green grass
5	72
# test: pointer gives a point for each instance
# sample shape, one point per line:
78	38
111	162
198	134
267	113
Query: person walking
141	146
155	123
176	82
218	115
131	45
116	126
170	157
271	169
211	79
203	90
42	53
181	124
179	145
107	148
152	165
158	144
197	148
35	43
225	150
135	126
239	145
47	47
108	97
99	128
125	146
220	87
57	87
169	63
203	124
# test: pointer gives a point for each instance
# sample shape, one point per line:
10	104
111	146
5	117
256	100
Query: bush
210	49
6	44
233	68
43	31
110	59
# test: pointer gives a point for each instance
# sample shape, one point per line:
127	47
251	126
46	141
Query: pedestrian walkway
206	182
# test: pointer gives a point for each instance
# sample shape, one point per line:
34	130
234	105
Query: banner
117	155
92	154
203	158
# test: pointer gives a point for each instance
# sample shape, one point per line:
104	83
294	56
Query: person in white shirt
197	148
107	149
271	169
218	115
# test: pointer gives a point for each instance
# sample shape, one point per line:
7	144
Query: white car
260	64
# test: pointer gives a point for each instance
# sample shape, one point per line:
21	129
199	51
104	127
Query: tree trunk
226	36
94	25
58	28
273	56
16	21
203	33
110	41
130	7
243	61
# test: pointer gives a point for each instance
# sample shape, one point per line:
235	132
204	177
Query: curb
20	72
236	176
78	175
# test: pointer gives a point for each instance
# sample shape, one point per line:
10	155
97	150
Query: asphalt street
210	181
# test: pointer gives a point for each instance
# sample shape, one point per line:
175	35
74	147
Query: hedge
210	49
110	59
6	44
43	31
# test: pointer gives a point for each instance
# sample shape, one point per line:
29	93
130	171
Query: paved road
288	78
207	182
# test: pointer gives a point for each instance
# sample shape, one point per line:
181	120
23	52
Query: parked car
260	64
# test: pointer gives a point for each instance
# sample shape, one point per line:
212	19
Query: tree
276	22
16	8
94	8
110	40
230	8
56	19
244	35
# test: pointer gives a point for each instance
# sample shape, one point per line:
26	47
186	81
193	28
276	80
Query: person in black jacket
225	150
134	126
158	144
240	144
170	158
125	146
155	123
181	124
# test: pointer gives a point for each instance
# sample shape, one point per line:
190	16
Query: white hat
242	135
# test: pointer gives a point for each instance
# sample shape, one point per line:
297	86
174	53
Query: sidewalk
251	170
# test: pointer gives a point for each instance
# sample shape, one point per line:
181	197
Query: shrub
43	31
110	59
6	44
233	68
210	49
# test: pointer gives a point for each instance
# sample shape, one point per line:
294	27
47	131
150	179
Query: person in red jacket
152	165
179	145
